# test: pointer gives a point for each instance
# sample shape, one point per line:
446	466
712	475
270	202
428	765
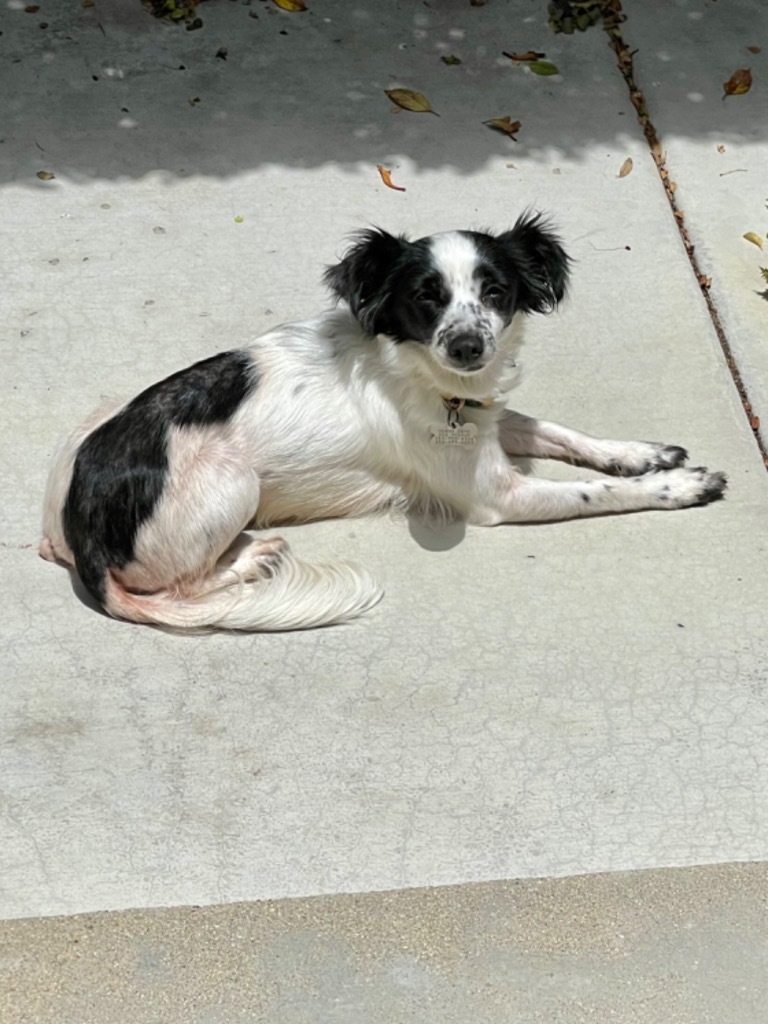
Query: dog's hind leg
195	569
248	559
525	436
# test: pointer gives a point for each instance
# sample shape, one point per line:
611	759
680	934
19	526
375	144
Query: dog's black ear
540	261
365	274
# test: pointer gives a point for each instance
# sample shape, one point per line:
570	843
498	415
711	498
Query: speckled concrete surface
536	701
687	946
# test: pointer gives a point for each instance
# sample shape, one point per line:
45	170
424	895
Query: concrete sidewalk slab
688	946
535	701
717	152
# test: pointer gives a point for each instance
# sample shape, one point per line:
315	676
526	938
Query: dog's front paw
639	457
681	488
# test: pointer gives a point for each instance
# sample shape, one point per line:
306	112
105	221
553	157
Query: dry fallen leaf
290	5
543	67
45	175
755	49
408	99
625	168
386	177
529	55
754	238
739	83
88	3
721	149
503	124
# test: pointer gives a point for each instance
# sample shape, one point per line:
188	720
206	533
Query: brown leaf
721	149
408	99
88	3
754	238
739	83
755	49
625	168
386	177
290	5
503	124
45	175
529	55
32	8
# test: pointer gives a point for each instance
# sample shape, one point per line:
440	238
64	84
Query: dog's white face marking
470	321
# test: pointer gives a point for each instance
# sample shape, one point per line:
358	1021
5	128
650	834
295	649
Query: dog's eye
493	295
428	294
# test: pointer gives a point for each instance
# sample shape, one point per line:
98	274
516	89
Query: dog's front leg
505	495
523	435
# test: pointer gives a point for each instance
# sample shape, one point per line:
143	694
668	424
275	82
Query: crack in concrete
612	18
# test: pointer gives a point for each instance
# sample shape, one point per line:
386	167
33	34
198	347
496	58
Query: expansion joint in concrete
613	17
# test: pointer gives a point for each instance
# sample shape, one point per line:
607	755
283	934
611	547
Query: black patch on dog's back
122	467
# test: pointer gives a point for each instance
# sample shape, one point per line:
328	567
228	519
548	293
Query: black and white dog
394	398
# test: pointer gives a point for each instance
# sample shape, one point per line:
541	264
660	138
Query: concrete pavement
684	946
540	701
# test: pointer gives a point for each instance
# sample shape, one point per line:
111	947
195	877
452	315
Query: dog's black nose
465	349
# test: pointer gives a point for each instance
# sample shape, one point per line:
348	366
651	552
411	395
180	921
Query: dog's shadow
443	536
436	536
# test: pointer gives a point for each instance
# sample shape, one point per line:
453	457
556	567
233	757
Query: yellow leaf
290	5
625	168
410	100
386	177
754	238
739	83
503	124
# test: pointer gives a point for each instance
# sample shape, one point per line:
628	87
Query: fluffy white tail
297	596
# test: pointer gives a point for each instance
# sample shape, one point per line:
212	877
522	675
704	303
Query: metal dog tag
460	435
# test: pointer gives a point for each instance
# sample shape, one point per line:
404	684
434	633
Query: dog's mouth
465	371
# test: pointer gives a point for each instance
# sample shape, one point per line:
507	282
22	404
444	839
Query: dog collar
455	404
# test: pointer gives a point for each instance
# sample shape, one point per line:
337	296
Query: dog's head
455	293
